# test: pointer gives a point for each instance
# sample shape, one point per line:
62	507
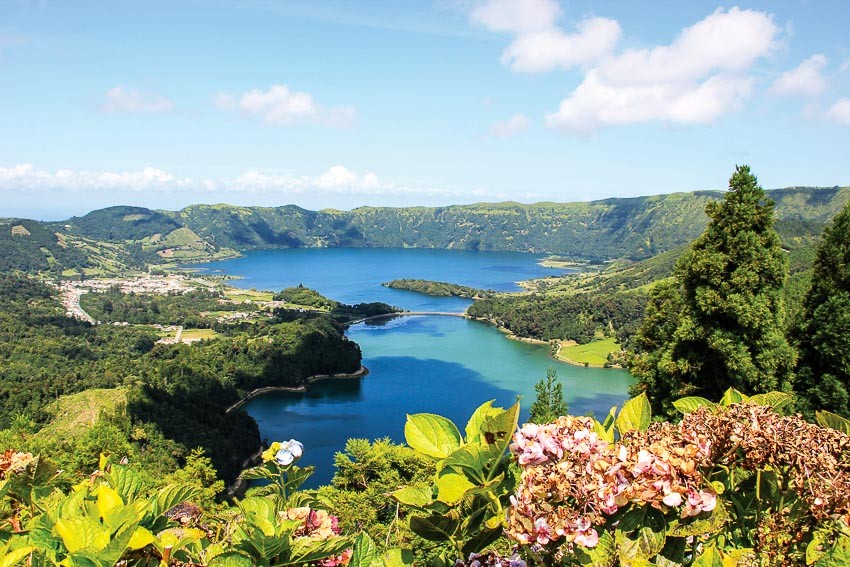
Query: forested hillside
634	228
120	238
173	396
582	306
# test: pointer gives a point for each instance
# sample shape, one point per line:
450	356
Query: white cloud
26	177
845	65
540	45
806	79
336	180
281	106
545	50
840	111
514	125
702	75
120	99
516	15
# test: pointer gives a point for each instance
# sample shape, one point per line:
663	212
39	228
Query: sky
339	104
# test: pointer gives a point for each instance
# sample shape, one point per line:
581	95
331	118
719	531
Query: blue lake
444	365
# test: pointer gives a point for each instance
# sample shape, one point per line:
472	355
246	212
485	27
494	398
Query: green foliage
465	506
301	295
365	473
721	324
549	403
199	474
575	317
110	519
149	309
822	329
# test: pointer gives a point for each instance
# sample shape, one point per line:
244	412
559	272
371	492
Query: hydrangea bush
733	483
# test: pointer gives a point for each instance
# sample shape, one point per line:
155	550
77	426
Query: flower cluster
14	462
572	480
753	436
316	524
284	453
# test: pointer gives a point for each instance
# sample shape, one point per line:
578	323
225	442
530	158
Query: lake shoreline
253	394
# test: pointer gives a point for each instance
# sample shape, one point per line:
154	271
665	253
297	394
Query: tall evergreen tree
549	404
721	325
823	331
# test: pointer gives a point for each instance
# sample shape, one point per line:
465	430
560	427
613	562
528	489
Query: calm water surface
443	365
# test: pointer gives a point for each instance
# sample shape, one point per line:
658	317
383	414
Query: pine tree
823	375
726	326
549	404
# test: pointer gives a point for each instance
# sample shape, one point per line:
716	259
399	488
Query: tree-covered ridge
439	289
117	238
600	230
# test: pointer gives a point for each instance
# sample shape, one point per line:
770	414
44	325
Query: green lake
437	364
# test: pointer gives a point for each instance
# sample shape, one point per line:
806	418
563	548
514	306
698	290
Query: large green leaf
82	532
451	487
704	523
673	554
643	543
474	461
776	400
833	421
232	559
709	557
733	396
126	482
481	541
296	476
605	430
431	435
433	528
415	496
170	496
365	553
119	543
474	427
11	558
397	558
636	414
499	429
692	404
305	550
838	554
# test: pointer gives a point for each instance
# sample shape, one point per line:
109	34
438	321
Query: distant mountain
632	229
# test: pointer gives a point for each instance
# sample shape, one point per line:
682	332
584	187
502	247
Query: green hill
634	228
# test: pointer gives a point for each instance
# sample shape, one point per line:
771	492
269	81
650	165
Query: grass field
74	412
197	334
594	353
247	294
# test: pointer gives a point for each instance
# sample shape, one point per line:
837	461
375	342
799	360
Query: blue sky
341	104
